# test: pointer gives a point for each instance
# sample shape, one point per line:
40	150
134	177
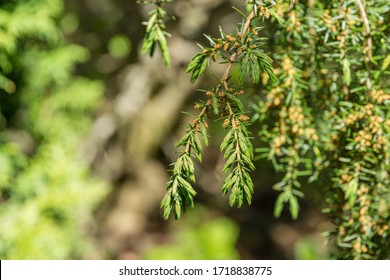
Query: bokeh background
87	133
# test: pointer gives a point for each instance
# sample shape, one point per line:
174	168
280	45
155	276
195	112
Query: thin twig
226	76
234	56
188	144
234	126
366	22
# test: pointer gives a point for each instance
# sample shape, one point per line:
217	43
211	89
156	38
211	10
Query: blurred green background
87	132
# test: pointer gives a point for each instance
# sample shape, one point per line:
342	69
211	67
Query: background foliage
316	123
46	193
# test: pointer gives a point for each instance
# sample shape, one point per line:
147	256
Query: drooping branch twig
234	56
367	28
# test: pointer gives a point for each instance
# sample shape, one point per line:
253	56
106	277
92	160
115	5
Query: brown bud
243	118
226	123
197	106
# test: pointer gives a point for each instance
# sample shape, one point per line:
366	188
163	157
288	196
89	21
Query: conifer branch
224	98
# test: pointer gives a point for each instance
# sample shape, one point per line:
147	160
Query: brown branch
234	56
225	76
366	23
